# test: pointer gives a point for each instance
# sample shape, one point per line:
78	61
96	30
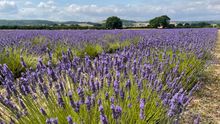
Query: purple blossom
60	100
103	119
197	120
88	103
22	62
80	93
43	112
69	119
77	107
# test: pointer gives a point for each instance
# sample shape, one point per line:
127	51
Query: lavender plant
151	81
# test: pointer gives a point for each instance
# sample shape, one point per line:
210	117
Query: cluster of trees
194	25
164	22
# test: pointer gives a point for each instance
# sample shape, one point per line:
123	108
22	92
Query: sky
98	10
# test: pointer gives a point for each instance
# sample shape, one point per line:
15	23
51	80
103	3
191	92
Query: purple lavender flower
55	120
49	121
43	112
142	105
80	93
106	96
140	84
118	111
129	105
69	119
51	73
49	53
77	107
122	94
88	103
93	97
21	103
141	115
112	100
22	62
99	102
60	100
71	99
103	119
128	84
101	109
197	120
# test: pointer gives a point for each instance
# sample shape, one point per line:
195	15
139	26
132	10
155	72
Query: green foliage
89	49
201	25
112	47
39	40
186	24
179	25
113	23
59	48
191	65
154	109
11	57
163	21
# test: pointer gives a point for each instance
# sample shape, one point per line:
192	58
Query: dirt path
206	102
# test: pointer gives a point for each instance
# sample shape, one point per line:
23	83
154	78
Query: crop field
101	76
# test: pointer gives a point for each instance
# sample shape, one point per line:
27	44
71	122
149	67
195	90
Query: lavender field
101	76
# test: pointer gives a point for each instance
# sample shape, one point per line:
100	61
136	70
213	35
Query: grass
155	112
205	102
92	50
12	57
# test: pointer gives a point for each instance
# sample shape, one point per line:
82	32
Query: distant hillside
25	22
191	22
126	23
42	22
79	23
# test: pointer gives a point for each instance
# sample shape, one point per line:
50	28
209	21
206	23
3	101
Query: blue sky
98	10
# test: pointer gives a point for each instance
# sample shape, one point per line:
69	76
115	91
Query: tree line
115	22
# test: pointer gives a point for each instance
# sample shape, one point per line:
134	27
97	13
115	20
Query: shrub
12	57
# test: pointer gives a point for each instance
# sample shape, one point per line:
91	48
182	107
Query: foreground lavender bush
151	82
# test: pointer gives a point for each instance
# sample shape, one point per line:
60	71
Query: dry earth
206	103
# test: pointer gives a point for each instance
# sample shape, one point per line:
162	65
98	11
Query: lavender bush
150	81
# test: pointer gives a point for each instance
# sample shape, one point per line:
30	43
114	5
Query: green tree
113	23
161	21
179	25
187	25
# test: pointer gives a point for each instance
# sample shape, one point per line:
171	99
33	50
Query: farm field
107	76
207	100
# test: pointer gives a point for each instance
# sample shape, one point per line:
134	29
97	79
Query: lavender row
190	39
151	82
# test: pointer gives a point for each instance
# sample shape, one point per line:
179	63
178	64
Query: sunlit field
101	76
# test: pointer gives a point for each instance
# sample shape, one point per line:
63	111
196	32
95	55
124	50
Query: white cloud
8	7
93	9
48	6
49	9
28	3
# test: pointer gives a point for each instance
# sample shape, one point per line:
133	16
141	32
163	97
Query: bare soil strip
206	102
